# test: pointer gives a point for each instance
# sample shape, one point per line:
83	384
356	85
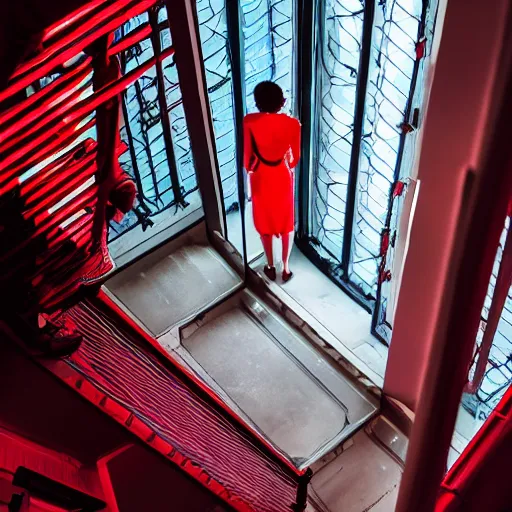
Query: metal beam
236	54
362	82
306	71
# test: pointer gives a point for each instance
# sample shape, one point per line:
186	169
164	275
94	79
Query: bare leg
287	250
266	240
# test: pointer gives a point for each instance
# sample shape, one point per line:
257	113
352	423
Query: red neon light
53	184
94	28
65	138
55	56
82	109
138	35
14	135
75	75
82	225
64	23
51	223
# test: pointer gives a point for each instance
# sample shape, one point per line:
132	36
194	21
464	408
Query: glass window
498	373
213	32
390	85
159	155
341	32
268	28
350	198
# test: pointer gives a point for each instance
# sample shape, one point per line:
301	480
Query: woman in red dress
271	152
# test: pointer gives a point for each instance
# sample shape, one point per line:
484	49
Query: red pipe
72	78
64	139
138	35
72	18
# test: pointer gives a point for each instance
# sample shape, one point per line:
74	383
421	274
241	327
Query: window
154	129
370	80
219	77
268	33
498	370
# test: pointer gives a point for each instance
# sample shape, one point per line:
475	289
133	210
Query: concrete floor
342	323
234	224
363	478
173	283
288	391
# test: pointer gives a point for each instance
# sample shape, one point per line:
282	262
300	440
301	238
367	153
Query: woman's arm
295	144
248	153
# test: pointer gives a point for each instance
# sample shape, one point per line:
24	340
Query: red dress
271	151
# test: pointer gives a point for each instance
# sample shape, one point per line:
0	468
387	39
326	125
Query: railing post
236	54
302	491
307	99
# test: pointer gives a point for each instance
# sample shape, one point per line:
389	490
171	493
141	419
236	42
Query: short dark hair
269	97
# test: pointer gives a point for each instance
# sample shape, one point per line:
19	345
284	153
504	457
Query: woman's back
273	134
